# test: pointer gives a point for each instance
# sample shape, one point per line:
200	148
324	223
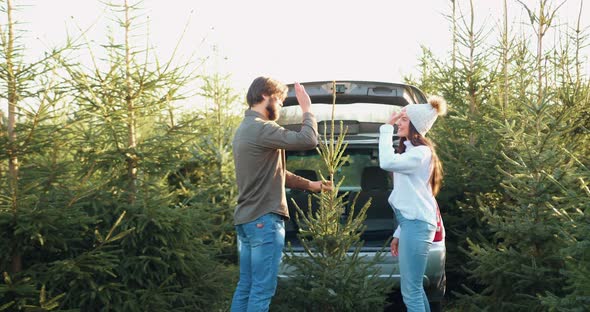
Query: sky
306	40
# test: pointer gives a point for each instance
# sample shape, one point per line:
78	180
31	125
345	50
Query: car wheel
436	306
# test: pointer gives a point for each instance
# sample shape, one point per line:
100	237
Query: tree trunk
131	122
454	53
471	85
16	263
505	56
578	47
540	34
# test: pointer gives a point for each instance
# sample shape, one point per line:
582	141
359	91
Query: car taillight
439	234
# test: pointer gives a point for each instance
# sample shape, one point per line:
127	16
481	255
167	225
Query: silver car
363	107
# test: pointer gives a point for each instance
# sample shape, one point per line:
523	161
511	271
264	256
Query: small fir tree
332	276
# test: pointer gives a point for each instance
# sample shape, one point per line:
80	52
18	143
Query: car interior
366	180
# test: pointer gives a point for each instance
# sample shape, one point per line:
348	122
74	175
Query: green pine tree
575	213
90	218
526	253
518	119
469	150
40	219
131	143
332	276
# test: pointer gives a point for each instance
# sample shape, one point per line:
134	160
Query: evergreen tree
332	276
40	217
131	141
468	149
216	189
517	256
90	219
508	149
575	212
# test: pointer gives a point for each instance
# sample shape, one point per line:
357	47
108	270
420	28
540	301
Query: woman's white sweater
412	193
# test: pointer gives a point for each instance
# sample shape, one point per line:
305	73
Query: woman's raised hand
395	116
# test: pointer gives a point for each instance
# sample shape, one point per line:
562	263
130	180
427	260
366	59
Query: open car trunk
362	106
362	179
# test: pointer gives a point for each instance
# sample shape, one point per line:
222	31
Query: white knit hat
423	116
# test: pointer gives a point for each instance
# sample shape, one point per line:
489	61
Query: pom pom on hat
439	104
423	116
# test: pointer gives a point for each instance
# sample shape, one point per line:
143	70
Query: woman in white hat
417	176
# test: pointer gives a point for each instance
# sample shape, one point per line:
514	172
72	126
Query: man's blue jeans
260	245
414	244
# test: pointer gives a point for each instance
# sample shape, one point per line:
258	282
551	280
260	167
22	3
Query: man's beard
271	109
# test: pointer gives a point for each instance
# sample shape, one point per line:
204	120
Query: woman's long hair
417	139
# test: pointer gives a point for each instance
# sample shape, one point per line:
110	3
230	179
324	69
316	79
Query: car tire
436	306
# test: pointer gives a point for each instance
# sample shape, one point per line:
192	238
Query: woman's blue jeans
260	247
414	244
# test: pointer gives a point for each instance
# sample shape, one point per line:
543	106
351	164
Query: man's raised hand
302	98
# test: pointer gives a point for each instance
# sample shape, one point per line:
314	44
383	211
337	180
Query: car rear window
350	172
